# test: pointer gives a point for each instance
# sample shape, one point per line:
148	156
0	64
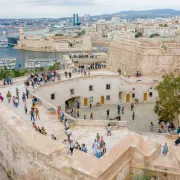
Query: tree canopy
137	35
154	35
59	35
168	104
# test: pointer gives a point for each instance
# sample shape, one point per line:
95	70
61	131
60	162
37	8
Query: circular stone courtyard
144	115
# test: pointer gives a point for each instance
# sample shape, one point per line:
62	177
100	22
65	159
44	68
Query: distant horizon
81	15
29	9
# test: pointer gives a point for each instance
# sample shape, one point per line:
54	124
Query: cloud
64	2
65	8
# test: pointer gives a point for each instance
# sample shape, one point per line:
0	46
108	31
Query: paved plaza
144	115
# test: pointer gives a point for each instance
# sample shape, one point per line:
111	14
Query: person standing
95	146
66	125
71	147
133	115
27	93
119	109
108	112
90	105
122	110
108	128
1	97
16	102
59	112
9	96
32	114
97	137
132	106
37	113
77	113
25	108
165	149
152	127
68	133
24	97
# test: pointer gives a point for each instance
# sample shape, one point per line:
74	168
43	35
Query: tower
21	33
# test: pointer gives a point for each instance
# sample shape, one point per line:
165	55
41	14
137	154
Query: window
108	97
150	94
133	89
52	96
108	86
90	99
133	95
91	88
72	91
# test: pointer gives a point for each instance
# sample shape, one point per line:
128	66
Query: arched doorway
85	101
145	96
128	98
102	99
120	95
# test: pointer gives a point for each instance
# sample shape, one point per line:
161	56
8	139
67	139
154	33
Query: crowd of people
7	81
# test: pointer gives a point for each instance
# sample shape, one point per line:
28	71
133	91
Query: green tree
167	106
161	25
59	34
137	35
154	35
165	25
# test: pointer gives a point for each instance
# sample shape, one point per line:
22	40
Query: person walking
37	113
91	116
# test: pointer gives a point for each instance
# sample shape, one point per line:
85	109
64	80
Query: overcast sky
64	8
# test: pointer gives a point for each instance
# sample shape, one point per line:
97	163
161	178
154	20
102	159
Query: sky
65	8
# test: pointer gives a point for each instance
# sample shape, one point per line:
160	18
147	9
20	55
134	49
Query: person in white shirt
108	128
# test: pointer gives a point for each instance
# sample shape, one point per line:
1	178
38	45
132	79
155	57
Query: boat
7	63
32	65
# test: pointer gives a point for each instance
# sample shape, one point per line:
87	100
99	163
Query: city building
76	20
54	43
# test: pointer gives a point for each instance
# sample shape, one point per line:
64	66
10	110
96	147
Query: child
37	113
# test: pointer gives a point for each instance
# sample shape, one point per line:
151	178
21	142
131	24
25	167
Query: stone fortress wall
25	154
26	161
147	57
